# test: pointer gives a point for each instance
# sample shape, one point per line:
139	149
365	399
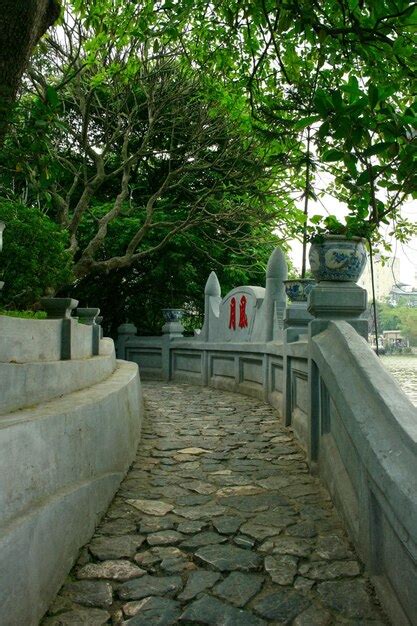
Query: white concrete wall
32	340
68	433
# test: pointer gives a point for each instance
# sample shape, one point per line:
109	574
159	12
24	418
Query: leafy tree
336	79
175	276
402	318
408	323
34	259
22	24
117	123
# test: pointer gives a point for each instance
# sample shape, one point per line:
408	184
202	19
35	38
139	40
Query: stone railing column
172	329
61	309
99	321
88	316
124	333
296	321
329	301
333	300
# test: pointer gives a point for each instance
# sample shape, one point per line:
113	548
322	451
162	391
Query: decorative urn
298	289
337	258
173	315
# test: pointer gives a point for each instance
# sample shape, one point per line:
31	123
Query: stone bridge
275	479
217	522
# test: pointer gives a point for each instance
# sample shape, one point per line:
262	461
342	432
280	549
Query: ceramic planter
298	289
338	258
173	315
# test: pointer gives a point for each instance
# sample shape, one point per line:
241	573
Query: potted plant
338	251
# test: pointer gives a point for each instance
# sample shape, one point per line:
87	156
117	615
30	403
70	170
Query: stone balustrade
312	362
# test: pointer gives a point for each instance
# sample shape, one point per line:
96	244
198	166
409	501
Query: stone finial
127	329
277	266
213	286
87	315
58	308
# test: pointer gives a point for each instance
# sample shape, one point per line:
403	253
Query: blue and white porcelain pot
173	315
298	289
338	258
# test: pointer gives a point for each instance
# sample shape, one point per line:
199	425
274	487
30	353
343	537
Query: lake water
404	370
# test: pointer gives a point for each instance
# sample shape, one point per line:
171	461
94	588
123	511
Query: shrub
34	261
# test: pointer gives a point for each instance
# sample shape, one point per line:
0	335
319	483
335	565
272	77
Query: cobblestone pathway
218	522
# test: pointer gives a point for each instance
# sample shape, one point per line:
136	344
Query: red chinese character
243	320
232	319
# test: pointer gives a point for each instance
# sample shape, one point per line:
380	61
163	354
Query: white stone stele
264	307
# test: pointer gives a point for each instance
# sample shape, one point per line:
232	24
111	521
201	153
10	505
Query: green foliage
403	318
33	261
38	315
335	81
176	276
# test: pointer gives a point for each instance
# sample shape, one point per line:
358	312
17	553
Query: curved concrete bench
24	385
60	465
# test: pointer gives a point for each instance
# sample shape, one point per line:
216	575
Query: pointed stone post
275	298
212	299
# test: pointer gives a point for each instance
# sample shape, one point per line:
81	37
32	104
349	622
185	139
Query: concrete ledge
60	465
367	456
27	384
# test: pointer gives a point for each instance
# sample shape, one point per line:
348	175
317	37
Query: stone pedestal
173	329
296	321
124	333
89	316
332	300
58	308
329	301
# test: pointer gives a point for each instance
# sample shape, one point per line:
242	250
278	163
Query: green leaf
377	148
373	95
52	96
306	121
332	155
322	102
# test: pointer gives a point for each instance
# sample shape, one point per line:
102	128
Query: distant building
401	293
389	339
385	277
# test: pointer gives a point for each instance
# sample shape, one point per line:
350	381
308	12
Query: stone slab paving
217	522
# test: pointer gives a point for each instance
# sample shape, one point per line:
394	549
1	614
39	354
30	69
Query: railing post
61	309
88	316
172	329
329	300
124	333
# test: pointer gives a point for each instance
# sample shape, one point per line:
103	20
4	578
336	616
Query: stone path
218	522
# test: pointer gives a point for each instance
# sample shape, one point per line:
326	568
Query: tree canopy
142	125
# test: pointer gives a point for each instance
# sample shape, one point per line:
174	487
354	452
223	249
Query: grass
39	315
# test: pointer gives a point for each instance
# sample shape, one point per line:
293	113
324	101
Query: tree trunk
22	24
